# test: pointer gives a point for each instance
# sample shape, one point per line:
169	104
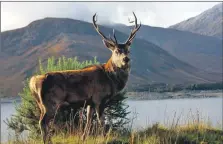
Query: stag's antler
133	32
110	40
115	37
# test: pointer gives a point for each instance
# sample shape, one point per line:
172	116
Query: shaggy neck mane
118	76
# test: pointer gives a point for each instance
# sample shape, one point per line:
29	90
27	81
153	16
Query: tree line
163	87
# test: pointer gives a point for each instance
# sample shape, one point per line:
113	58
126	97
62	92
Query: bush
27	112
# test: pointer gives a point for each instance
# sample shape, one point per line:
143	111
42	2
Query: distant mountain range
21	49
207	23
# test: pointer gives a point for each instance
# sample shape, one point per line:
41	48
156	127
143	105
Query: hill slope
203	52
58	36
207	23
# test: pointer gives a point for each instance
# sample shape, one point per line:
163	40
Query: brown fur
91	83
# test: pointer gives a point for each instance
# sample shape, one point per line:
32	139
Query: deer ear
108	44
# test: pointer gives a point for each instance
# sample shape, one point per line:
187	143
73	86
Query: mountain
207	23
21	49
203	52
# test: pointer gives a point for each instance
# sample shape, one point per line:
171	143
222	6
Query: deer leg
88	123
100	116
41	108
47	116
42	113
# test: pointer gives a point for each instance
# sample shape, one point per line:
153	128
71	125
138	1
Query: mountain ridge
207	23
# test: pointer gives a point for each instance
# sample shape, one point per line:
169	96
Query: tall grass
194	131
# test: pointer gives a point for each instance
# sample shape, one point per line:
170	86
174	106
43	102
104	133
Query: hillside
21	49
203	52
207	23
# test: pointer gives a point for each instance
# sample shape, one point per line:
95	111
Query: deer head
120	52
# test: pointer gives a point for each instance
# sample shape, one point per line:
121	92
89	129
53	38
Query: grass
191	133
195	130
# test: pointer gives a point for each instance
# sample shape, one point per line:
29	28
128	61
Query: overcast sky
160	14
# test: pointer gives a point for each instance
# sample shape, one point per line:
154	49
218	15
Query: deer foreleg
88	123
101	118
100	115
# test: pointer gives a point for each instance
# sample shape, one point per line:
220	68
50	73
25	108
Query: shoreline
152	95
174	95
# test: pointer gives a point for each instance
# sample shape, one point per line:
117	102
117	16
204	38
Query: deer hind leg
90	112
47	117
42	113
41	108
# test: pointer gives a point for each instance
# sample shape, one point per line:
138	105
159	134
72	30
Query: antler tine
115	37
110	38
135	19
101	34
97	29
133	32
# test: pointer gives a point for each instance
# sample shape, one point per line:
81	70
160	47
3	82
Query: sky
160	14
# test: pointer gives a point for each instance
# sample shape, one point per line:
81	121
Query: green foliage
27	112
64	63
116	111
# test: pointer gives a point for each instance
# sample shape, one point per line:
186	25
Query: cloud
161	14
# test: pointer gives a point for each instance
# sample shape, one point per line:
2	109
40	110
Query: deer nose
126	59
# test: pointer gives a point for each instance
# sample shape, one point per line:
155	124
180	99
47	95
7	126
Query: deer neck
118	76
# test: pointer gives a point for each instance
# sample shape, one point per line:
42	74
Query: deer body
91	84
94	85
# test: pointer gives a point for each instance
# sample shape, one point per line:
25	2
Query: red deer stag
93	85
